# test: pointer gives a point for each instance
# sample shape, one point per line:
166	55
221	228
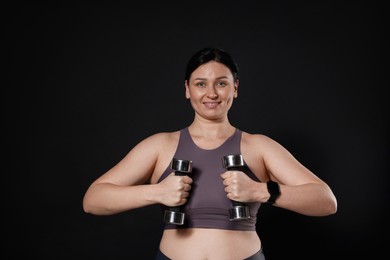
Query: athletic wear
208	205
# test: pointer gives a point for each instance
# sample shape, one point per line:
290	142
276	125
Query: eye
221	84
200	84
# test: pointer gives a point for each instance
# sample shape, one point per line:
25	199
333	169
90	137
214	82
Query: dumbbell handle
236	168
235	162
178	208
175	215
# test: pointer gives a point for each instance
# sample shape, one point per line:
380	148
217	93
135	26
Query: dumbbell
175	215
239	210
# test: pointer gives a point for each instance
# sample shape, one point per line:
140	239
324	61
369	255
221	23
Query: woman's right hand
175	190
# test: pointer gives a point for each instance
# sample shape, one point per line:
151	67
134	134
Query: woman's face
211	90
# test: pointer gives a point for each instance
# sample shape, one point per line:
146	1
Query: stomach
210	244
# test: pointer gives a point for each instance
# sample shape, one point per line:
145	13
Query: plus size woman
271	174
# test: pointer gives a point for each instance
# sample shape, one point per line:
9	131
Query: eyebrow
222	77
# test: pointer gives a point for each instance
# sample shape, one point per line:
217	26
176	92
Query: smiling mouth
211	104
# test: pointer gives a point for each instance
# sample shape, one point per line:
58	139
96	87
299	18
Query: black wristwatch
274	190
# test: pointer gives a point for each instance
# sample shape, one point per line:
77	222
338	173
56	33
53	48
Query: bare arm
301	190
124	187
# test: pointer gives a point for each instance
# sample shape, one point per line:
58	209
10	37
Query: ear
236	89
187	90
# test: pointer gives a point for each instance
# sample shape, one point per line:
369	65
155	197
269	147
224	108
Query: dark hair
211	54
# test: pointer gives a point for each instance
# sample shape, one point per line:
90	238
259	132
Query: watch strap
274	191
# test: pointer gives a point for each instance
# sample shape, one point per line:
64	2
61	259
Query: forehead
212	69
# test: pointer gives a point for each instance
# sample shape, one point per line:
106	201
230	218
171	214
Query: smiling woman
211	90
269	173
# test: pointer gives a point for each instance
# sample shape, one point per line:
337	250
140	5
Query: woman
271	174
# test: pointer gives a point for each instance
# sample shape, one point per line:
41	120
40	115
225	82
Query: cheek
193	93
226	94
196	93
230	98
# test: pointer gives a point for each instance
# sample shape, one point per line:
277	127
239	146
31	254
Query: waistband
214	218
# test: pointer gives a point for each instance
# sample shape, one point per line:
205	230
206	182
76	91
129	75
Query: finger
185	187
188	180
225	175
226	182
182	201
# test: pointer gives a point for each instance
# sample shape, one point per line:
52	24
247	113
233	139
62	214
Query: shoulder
269	150
156	145
162	138
256	138
260	143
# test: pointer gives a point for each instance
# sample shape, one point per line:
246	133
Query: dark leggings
258	256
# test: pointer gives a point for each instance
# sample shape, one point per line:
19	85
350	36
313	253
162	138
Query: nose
211	92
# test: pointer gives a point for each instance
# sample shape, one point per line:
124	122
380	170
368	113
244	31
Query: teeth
211	104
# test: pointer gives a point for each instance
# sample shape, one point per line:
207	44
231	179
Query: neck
211	128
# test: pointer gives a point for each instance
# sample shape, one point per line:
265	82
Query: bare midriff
202	244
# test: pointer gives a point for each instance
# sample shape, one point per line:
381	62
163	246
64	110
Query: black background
85	82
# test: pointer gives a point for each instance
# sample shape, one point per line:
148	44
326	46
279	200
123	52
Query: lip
211	104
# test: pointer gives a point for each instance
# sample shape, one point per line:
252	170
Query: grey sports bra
207	205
